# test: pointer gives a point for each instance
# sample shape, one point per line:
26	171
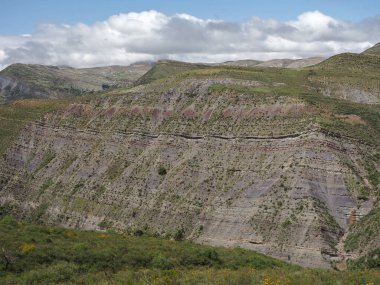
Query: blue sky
24	16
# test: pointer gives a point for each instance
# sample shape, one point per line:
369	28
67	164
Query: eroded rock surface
228	169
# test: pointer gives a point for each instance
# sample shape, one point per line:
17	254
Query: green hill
20	81
375	50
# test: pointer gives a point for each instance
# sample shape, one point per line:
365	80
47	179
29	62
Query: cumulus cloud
126	38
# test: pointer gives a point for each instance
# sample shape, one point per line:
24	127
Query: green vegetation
162	170
356	72
370	261
115	169
375	50
14	116
72	81
33	254
49	156
367	229
166	68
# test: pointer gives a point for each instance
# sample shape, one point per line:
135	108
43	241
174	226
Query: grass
359	71
369	261
328	108
14	116
366	230
73	81
36	254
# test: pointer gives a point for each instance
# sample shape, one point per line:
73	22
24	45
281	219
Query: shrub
179	235
60	272
161	262
162	170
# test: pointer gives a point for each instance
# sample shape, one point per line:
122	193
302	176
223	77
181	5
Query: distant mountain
375	50
164	68
19	81
280	63
305	62
276	63
243	63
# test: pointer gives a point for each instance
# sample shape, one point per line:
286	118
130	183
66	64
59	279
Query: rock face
228	168
12	88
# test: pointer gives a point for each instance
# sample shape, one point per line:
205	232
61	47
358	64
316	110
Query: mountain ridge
375	50
20	81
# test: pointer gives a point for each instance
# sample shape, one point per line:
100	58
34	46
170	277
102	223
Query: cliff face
237	166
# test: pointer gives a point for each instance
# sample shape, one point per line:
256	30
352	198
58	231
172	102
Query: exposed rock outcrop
228	169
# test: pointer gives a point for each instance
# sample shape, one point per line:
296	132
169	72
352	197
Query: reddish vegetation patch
253	113
351	119
155	114
167	114
34	102
136	110
295	110
189	112
228	112
206	115
74	110
109	113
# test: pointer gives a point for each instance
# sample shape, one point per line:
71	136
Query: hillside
252	157
242	63
353	77
35	254
279	63
20	81
375	50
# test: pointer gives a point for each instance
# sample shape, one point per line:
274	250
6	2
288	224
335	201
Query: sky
85	33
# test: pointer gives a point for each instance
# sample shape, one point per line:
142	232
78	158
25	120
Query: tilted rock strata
285	197
227	169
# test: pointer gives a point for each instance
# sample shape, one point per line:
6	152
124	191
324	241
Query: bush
161	262
179	235
60	272
162	170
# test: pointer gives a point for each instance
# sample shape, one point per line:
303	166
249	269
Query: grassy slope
375	50
53	77
43	255
58	82
345	73
14	116
301	84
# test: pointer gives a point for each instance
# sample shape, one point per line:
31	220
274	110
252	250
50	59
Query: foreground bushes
35	254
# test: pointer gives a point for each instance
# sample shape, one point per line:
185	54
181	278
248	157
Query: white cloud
150	35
